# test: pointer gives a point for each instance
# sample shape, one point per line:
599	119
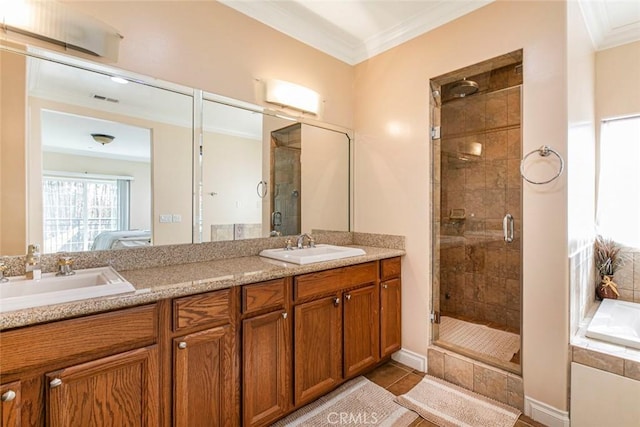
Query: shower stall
476	254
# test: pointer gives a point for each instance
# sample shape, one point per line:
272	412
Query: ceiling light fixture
102	138
292	95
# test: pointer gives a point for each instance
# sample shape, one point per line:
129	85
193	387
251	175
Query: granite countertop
156	283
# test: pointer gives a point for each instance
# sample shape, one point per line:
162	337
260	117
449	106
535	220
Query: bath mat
479	338
448	405
356	403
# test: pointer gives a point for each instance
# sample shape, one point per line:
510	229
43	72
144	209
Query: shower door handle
507	228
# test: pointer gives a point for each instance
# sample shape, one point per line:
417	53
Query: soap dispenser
32	264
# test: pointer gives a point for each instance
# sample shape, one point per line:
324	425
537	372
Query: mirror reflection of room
115	162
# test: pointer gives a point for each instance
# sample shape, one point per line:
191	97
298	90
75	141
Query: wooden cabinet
99	370
360	330
390	307
244	355
266	364
317	347
10	403
117	390
203	380
336	336
266	352
204	353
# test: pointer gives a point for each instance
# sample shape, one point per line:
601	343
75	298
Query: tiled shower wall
479	272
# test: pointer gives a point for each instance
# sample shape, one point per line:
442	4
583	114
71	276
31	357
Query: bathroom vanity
220	342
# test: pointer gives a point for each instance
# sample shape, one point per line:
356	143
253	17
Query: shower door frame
435	106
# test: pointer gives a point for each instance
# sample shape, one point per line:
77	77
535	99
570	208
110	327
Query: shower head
462	88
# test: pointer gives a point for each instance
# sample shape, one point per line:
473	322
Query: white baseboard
545	414
411	359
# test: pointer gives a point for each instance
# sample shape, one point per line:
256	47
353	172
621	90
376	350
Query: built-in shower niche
476	142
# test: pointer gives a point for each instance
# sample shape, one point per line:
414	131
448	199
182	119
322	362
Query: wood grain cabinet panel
119	390
360	330
10	404
106	333
266	361
390	317
317	348
203	379
201	310
263	296
389	268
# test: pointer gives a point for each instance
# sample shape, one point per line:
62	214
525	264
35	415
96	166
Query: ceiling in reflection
71	133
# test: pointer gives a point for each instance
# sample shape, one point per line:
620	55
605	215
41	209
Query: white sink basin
21	293
310	255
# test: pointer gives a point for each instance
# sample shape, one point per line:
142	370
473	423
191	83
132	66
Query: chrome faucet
32	263
312	242
64	266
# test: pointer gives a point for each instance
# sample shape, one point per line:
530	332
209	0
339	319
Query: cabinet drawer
203	309
263	295
40	345
330	281
389	268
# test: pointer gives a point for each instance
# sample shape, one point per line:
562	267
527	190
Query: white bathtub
616	322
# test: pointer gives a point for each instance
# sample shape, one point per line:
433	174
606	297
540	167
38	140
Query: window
619	187
77	209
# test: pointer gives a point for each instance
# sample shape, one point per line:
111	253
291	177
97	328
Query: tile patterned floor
399	379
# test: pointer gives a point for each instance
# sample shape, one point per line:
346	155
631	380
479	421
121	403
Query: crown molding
303	25
300	24
603	32
438	14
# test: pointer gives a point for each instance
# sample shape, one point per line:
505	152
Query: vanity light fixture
102	138
57	23
120	80
292	95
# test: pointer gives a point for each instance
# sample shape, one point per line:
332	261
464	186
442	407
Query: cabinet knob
8	396
284	315
56	382
182	345
336	302
347	297
385	286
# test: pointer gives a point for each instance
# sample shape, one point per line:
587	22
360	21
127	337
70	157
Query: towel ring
543	151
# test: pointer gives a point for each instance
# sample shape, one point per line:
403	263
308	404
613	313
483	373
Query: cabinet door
10	404
390	326
203	388
317	348
119	390
360	329
266	381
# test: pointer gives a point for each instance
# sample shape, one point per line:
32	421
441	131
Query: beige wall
325	180
231	168
393	160
207	45
12	155
617	88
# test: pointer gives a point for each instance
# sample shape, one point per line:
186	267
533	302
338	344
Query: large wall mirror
115	163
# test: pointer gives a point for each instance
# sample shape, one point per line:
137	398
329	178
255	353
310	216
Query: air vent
106	98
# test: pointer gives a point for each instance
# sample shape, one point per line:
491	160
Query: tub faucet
64	266
312	242
32	263
3	269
